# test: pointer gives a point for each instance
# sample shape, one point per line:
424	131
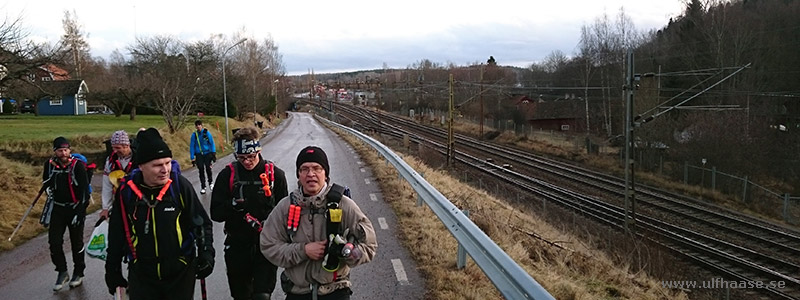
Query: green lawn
28	127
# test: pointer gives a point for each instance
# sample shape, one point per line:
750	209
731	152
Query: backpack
267	180
90	167
205	139
332	211
44	219
174	189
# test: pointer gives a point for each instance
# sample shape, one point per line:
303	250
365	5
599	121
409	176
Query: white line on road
373	197
363	170
359	162
366	180
383	223
400	272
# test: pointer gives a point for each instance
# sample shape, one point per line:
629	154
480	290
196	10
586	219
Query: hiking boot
202	191
77	280
63	278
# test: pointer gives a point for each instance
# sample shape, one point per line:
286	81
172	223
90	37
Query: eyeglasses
247	157
315	169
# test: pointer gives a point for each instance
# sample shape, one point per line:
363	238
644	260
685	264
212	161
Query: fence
761	199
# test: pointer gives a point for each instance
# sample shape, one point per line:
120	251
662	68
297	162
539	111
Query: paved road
27	272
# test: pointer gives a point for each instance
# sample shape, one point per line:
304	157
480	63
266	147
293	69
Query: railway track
727	243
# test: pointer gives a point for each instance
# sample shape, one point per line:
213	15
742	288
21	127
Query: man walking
203	153
159	224
117	165
245	193
317	234
67	187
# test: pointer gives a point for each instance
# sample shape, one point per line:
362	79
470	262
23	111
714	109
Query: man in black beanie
327	234
67	188
157	199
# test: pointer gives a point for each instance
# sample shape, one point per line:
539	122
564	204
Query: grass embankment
564	265
26	142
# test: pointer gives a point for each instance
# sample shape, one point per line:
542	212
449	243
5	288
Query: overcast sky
334	36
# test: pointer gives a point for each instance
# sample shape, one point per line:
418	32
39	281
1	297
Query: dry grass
570	270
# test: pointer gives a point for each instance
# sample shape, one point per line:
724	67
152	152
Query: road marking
366	180
383	223
373	197
363	170
355	156
359	162
400	272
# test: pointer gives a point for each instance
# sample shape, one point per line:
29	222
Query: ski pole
44	187
203	289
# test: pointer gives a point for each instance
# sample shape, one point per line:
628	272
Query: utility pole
630	200
481	95
450	141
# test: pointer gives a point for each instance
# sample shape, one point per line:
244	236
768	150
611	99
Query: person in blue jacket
203	153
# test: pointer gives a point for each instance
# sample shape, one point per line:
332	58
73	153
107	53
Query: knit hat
151	146
60	142
120	137
313	154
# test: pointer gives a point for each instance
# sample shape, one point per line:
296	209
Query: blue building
63	97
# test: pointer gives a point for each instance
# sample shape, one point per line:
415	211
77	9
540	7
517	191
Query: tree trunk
133	113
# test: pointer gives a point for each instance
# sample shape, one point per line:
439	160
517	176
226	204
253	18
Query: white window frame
565	127
56	102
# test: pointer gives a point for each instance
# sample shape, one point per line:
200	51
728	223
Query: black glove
194	163
115	279
213	157
80	215
204	263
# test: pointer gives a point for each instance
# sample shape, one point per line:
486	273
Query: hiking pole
44	187
203	289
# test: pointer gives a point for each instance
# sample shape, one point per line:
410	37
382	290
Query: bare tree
175	73
20	57
75	44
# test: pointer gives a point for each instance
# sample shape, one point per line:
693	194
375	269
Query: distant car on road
28	106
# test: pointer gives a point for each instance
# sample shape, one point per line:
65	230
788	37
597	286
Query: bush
8	107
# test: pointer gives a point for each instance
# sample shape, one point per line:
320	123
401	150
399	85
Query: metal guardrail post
511	280
419	197
461	254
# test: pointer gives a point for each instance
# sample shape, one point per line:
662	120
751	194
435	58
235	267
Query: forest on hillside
722	80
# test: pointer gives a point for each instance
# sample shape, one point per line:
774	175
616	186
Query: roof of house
62	87
56	72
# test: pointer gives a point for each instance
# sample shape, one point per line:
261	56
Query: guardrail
510	279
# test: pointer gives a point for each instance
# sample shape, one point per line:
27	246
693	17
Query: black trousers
340	294
60	221
147	288
248	271
203	162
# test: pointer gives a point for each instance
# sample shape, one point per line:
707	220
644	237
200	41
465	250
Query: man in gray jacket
317	234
